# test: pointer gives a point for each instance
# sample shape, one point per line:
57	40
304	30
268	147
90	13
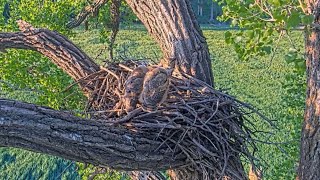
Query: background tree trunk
173	25
309	167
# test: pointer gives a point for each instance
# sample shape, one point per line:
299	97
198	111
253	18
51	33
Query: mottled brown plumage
155	88
133	88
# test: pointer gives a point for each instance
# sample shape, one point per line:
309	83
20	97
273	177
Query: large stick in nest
210	128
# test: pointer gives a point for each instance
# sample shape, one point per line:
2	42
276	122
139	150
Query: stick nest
210	128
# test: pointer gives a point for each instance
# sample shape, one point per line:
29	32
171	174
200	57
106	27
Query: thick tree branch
44	130
90	9
51	44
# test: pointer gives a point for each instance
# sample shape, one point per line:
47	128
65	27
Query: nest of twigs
209	127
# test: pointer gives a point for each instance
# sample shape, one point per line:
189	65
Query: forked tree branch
48	131
90	9
51	44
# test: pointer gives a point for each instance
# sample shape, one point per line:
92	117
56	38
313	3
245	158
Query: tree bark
173	25
57	133
309	167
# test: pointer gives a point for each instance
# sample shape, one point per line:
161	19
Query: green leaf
293	20
276	2
289	58
307	19
266	49
228	37
238	39
234	22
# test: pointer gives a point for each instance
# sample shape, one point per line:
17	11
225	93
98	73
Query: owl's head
139	71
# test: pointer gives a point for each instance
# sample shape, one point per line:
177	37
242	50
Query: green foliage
262	24
87	171
103	18
45	13
18	164
131	43
127	17
28	70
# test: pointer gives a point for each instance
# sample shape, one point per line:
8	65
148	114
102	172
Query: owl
133	88
155	88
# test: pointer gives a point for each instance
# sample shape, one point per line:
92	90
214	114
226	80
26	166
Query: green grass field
259	81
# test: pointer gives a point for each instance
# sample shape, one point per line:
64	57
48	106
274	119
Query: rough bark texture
51	44
53	132
309	167
173	25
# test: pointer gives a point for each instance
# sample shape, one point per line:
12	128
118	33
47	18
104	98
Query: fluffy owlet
155	88
133	88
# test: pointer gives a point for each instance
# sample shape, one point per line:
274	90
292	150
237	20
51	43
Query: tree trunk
309	167
115	23
86	25
173	25
212	18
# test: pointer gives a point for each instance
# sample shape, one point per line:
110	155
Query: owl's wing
159	96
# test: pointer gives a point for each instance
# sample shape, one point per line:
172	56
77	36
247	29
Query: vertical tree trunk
86	25
200	5
115	24
173	25
211	12
309	167
96	15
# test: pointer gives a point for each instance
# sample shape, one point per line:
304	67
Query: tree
309	151
264	19
107	143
